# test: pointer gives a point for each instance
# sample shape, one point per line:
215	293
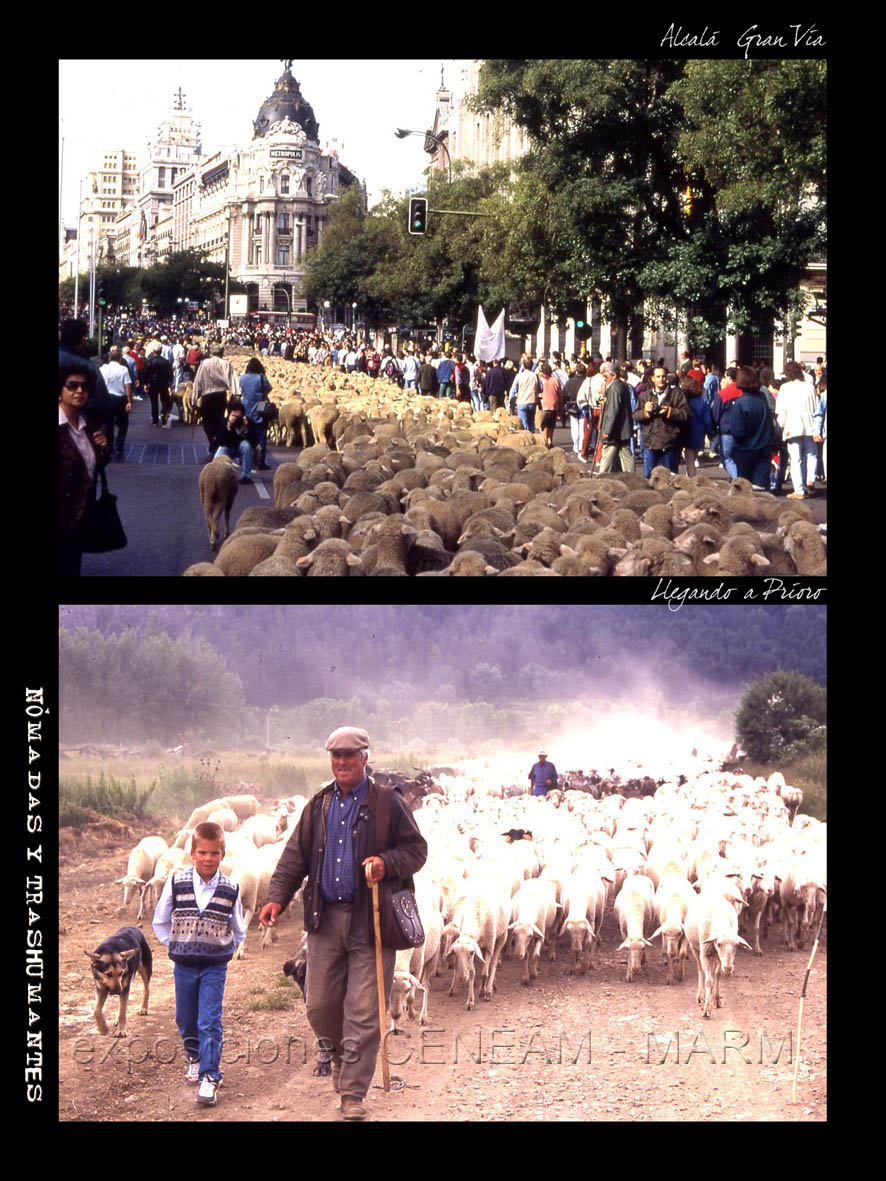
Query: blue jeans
727	452
527	417
245	456
666	459
447	389
198	1009
755	466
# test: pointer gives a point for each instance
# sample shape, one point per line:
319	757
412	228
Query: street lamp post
429	138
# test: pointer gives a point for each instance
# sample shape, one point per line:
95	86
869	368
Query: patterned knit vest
201	939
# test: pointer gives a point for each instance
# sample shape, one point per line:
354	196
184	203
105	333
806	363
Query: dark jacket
75	489
721	408
664	431
751	421
427	379
616	422
229	438
495	383
570	389
404	853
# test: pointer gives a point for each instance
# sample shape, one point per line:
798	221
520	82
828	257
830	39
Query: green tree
778	713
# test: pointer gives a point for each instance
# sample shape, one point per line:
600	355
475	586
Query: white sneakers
207	1095
193	1072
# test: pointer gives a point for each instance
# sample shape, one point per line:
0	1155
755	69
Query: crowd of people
754	422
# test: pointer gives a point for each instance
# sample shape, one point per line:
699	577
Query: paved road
156	486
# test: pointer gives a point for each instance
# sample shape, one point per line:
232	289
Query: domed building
263	207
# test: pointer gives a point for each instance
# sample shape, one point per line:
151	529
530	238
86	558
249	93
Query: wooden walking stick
803	1000
382	1008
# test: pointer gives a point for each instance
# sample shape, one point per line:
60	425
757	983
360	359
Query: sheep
244	550
226	818
804	543
218	488
333	557
583	900
711	929
139	870
260	829
393	536
672	900
166	864
479	923
415	966
247	874
633	908
654	556
533	918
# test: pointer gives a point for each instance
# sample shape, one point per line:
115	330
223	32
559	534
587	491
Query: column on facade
244	236
272	238
265	238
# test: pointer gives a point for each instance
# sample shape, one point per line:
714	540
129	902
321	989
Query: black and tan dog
114	965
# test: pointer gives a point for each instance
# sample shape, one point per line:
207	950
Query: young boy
200	918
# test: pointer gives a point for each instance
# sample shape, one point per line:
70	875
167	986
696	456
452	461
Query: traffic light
418	215
582	330
102	302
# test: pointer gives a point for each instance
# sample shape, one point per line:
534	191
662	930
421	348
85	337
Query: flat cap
348	738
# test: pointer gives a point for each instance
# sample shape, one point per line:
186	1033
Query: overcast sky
357	103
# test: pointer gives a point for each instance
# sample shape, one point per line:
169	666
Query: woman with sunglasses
82	453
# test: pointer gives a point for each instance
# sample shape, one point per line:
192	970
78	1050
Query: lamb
218	488
534	913
139	870
711	929
633	907
672	900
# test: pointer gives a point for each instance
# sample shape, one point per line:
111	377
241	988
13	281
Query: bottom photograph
421	863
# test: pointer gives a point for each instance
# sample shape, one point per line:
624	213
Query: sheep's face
636	949
462	954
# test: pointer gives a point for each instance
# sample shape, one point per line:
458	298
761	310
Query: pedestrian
237	439
495	385
82	452
570	401
158	383
721	416
427	378
591	398
700	423
72	349
664	416
200	919
461	377
209	392
332	843
254	390
711	385
445	370
410	369
542	775
796	407
616	422
820	421
751	424
525	391
119	385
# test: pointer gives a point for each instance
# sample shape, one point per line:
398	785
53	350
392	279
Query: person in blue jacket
700	423
751	427
543	775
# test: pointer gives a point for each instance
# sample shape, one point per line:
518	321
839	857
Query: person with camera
237	440
332	843
664	416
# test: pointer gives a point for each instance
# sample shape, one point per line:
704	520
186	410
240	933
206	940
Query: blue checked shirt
338	878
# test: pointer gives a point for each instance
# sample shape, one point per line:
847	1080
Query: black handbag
399	920
102	530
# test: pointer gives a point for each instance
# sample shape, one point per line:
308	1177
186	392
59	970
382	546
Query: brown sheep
218	488
245	549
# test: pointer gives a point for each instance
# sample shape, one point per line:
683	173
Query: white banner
489	343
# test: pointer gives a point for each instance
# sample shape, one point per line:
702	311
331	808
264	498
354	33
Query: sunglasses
76	385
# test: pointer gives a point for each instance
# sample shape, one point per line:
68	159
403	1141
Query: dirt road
563	1048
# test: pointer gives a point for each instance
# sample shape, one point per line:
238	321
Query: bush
779	715
109	796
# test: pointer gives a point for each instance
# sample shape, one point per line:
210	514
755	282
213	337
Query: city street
159	503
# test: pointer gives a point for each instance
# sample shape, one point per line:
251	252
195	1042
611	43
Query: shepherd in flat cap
332	842
543	775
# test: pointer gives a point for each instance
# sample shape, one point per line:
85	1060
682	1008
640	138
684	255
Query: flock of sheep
401	484
707	865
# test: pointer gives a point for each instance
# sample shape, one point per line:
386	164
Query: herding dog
114	964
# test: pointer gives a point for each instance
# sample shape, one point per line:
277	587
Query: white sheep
139	870
225	818
534	916
480	925
415	966
633	907
584	899
712	932
672	900
261	830
247	874
244	806
171	860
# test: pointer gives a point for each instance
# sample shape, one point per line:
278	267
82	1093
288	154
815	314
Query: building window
283	223
282	256
308	186
161	178
257	255
284	184
261	184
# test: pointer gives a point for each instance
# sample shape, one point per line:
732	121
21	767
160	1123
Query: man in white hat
543	775
333	841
